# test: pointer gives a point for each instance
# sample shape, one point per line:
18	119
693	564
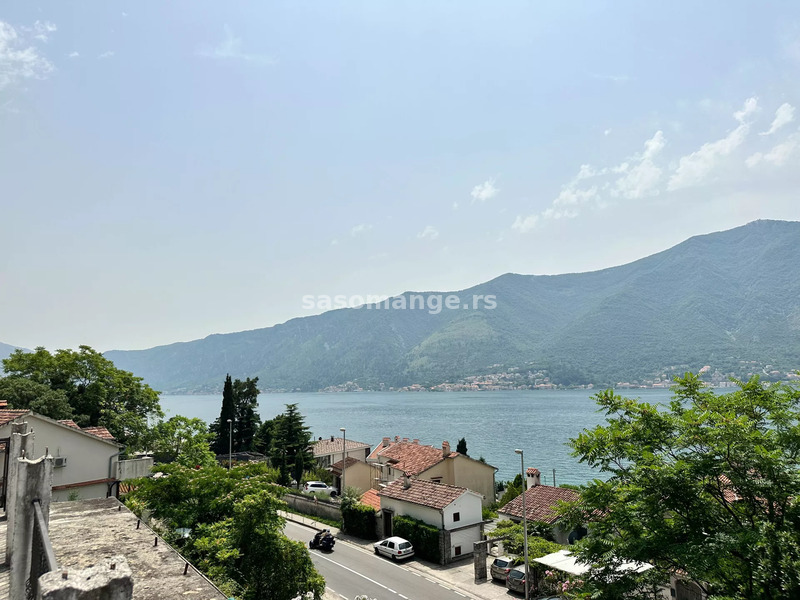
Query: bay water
494	424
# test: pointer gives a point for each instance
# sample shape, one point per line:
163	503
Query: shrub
359	520
424	537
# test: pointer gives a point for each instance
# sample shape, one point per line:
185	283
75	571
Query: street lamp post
230	443
344	454
524	520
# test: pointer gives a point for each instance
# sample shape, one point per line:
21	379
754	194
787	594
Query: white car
394	547
320	486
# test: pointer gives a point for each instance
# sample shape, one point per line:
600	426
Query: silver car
500	568
516	580
394	547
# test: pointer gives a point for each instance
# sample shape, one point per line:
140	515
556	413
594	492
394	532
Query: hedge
359	520
424	537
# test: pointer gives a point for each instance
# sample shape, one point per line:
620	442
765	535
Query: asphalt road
350	571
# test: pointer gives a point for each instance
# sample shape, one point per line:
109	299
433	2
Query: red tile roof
539	503
100	432
325	446
337	466
69	423
371	498
411	458
9	414
423	492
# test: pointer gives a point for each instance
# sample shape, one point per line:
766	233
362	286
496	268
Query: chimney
405	439
385	442
406	481
532	478
416	441
331	438
397	439
445	449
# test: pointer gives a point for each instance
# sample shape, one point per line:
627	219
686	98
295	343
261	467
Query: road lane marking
378	583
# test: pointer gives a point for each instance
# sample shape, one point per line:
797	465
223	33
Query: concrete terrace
85	532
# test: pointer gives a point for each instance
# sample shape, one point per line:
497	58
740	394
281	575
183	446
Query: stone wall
314	507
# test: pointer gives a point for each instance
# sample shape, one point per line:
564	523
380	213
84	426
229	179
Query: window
436	479
456	517
457	551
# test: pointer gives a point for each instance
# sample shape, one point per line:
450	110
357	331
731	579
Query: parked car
516	580
320	486
394	548
500	568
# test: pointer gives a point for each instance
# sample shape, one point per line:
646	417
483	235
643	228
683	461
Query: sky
169	170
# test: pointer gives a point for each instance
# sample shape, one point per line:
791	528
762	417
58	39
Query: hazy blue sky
174	169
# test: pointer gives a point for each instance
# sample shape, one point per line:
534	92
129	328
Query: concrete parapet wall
316	508
134	468
111	579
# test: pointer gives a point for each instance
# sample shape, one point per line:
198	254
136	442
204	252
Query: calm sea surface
493	423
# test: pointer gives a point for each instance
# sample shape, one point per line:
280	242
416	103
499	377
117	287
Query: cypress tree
220	427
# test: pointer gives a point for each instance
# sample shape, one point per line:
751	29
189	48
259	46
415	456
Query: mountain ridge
717	298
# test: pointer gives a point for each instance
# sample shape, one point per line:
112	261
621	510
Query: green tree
183	440
98	393
221	428
708	486
20	392
290	445
461	447
247	421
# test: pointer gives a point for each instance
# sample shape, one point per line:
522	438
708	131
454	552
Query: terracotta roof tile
532	471
69	423
100	432
337	466
371	498
539	503
410	457
325	446
9	414
423	492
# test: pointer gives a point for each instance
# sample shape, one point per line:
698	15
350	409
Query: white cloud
525	224
693	168
779	154
18	59
41	31
231	48
124	14
783	116
643	178
106	54
360	228
334	242
484	191
73	54
455	205
607	132
430	232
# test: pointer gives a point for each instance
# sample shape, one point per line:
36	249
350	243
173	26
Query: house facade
395	458
455	511
85	464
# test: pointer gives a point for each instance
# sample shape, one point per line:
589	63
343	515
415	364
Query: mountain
6	350
714	299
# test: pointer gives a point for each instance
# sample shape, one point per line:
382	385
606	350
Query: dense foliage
239	404
540	540
708	487
357	519
236	532
692	305
83	386
180	439
424	537
286	439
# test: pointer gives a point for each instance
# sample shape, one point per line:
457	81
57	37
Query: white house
85	463
455	511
